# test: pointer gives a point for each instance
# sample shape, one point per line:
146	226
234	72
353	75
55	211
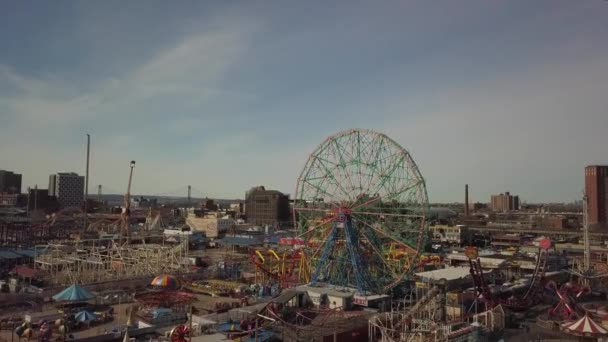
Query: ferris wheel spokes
373	182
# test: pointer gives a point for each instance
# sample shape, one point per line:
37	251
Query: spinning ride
359	199
180	333
568	294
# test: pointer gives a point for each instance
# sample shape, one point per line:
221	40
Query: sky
225	95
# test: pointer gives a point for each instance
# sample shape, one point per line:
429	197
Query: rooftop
451	273
329	290
239	241
16	253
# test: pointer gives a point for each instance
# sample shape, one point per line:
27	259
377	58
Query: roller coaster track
538	275
394	326
285	265
479	281
532	292
423	302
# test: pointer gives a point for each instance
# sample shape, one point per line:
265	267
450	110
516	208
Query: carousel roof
584	327
74	293
85	316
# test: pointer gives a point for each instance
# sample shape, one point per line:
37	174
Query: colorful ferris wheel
361	206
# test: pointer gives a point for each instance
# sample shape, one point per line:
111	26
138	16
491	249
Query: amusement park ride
126	210
567	308
531	295
588	272
180	333
359	198
278	267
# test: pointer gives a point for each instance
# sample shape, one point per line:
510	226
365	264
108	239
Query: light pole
86	186
127	209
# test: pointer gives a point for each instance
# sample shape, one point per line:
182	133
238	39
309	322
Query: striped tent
165	282
585	326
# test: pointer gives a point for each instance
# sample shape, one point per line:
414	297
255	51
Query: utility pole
86	185
29	191
35	197
466	201
189	195
99	193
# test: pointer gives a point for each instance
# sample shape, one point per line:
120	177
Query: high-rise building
266	207
10	182
596	188
504	202
68	188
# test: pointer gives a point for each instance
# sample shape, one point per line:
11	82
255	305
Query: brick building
266	207
504	202
596	188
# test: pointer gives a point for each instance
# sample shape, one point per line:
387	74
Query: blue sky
503	95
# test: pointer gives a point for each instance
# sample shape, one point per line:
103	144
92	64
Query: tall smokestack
86	186
466	200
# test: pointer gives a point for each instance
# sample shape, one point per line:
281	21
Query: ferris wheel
360	207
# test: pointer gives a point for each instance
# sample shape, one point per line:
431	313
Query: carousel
584	327
73	298
74	303
165	302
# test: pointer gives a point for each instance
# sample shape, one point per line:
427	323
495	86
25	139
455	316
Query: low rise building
237	207
457	234
555	222
329	296
212	224
8	200
142	202
450	278
507	240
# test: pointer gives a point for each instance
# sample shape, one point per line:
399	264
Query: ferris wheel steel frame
361	206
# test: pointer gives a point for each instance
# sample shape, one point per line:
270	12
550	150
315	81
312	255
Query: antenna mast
86	185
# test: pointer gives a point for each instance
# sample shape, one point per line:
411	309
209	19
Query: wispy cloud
116	108
504	96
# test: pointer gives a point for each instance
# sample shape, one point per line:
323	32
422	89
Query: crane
126	210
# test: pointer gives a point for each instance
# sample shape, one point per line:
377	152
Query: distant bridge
539	231
568	213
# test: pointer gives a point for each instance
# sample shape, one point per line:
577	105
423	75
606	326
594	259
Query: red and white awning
584	327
